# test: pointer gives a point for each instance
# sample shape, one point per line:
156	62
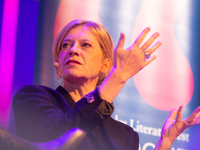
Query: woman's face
81	57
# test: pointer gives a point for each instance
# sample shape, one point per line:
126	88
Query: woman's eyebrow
67	40
83	39
86	40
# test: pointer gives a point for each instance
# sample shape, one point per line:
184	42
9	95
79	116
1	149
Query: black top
43	114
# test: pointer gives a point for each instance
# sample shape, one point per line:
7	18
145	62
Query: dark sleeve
94	113
40	117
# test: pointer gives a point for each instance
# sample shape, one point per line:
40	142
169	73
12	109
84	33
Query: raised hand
128	62
174	127
131	60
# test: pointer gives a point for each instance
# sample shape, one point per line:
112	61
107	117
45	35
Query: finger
197	119
121	42
141	37
195	113
148	43
150	51
154	47
120	45
194	116
149	60
179	114
172	114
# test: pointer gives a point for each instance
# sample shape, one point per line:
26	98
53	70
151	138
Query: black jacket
43	114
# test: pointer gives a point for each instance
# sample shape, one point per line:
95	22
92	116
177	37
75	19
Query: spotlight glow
7	57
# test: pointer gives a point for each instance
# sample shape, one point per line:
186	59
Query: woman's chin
74	78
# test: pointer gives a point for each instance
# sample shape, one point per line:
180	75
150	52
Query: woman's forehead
81	32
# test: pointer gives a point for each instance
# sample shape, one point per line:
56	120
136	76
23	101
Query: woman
83	59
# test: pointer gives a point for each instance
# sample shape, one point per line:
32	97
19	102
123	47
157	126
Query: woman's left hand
128	62
174	127
131	60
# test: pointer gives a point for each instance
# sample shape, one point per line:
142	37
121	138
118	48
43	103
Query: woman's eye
86	45
65	45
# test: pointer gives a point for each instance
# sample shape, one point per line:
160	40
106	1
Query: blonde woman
92	74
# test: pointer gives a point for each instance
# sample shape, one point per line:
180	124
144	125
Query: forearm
112	85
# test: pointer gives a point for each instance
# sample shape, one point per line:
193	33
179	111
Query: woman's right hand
175	125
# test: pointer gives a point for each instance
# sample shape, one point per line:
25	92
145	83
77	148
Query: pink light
168	82
7	57
75	10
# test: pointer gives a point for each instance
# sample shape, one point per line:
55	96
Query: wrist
163	144
112	85
93	96
118	75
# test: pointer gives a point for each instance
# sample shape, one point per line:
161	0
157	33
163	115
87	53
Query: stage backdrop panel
168	82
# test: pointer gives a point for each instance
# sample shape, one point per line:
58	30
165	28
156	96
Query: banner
173	79
168	82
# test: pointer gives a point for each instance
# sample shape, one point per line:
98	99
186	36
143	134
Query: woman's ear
106	65
56	69
55	64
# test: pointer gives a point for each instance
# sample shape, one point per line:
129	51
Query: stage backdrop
168	82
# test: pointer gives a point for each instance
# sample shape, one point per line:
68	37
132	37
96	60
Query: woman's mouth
69	62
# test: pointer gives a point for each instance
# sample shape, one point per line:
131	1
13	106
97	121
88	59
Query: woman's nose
74	50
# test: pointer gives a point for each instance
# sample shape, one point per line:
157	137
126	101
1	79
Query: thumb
119	46
121	41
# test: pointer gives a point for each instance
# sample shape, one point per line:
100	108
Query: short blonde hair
99	31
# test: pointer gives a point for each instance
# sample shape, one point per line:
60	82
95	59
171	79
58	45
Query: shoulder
35	89
127	131
38	95
131	138
128	137
126	128
36	92
123	128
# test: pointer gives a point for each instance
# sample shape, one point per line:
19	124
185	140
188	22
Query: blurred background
29	27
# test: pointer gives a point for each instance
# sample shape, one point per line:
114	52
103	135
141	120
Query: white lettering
140	128
123	121
131	123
